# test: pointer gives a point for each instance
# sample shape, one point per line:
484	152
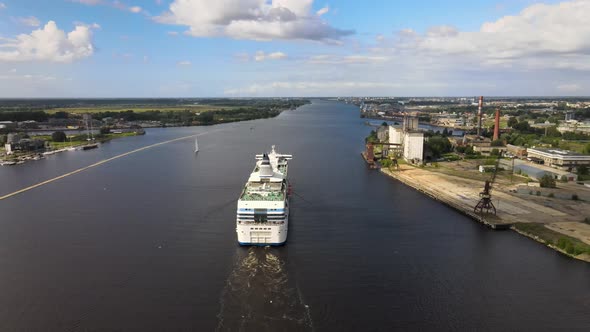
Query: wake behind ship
263	207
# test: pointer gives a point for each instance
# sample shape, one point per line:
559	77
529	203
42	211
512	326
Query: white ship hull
262	234
262	216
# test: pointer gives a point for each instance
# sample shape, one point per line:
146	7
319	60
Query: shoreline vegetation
118	118
160	112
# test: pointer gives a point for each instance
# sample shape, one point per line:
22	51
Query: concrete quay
446	198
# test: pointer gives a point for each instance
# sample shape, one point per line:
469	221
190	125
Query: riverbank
20	157
558	224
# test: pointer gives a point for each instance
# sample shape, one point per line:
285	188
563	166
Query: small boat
196	146
90	146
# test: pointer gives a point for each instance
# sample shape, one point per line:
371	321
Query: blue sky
240	48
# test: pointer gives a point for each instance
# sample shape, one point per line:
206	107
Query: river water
147	243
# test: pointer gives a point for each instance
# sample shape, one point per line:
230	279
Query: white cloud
251	19
112	3
2	5
318	88
539	30
184	63
93	26
348	59
261	56
28	77
49	44
569	88
323	11
31	21
13	70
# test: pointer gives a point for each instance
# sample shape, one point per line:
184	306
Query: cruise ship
263	207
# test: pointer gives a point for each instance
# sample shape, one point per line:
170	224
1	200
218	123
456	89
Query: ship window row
261	228
249	222
245	209
269	216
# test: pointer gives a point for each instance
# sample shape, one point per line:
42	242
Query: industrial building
410	138
537	172
7	125
560	159
517	151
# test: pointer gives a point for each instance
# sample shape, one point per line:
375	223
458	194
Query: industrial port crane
485	204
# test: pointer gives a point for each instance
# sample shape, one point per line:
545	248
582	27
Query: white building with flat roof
560	159
414	146
396	135
411	140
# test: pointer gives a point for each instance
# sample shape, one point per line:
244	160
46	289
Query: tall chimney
480	105
497	126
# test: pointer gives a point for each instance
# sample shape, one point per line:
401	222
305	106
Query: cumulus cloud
2	5
49	44
261	56
251	19
539	30
184	63
31	21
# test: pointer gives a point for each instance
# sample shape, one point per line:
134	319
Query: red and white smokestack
497	126
480	106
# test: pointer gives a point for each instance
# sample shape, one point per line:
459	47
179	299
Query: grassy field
573	146
490	123
139	109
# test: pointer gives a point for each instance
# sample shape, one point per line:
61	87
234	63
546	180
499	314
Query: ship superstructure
263	207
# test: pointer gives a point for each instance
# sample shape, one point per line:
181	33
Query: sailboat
196	146
91	145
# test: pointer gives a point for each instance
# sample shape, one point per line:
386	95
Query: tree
206	118
587	148
385	124
495	152
59	136
512	121
582	170
438	146
497	142
547	181
522	126
104	130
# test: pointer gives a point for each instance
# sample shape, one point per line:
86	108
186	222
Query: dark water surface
147	243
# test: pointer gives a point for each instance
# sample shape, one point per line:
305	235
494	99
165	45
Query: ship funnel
265	167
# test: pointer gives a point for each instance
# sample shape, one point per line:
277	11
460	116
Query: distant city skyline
293	48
